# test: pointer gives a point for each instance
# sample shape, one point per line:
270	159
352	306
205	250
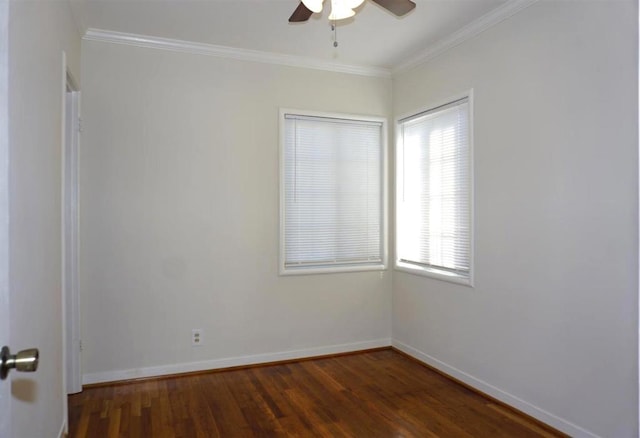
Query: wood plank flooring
372	394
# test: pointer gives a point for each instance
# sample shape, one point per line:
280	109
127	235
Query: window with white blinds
332	194
433	202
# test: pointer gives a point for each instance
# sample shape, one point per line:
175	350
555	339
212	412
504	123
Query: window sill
436	274
331	269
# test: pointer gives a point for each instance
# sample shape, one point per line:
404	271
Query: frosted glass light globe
340	10
313	5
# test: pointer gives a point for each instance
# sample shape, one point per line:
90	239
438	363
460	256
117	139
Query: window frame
337	268
428	271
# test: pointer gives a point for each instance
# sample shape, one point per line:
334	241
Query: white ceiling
374	37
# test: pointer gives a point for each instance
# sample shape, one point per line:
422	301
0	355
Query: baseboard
503	396
63	430
138	373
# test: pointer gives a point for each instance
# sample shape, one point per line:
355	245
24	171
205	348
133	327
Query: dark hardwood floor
372	394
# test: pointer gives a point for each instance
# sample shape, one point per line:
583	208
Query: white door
30	405
5	400
5	292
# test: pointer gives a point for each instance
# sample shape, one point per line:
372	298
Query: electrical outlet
197	337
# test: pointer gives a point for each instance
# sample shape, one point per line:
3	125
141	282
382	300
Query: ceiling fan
344	8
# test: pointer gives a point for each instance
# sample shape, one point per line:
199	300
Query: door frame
70	233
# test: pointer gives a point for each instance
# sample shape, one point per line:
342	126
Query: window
433	201
332	193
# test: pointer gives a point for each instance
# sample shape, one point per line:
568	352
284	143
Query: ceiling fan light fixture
313	5
340	10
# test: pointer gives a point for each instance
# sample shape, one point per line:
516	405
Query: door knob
25	361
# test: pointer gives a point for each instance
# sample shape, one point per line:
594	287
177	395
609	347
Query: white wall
179	222
38	33
551	325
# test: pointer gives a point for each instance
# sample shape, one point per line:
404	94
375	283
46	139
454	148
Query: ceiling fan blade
397	7
302	13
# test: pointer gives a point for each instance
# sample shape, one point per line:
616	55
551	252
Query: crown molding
231	53
506	10
501	13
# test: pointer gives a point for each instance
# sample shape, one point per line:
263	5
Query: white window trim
438	274
385	196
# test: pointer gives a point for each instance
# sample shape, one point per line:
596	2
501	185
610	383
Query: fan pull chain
334	28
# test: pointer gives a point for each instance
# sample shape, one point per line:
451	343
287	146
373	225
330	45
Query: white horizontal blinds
333	192
434	205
